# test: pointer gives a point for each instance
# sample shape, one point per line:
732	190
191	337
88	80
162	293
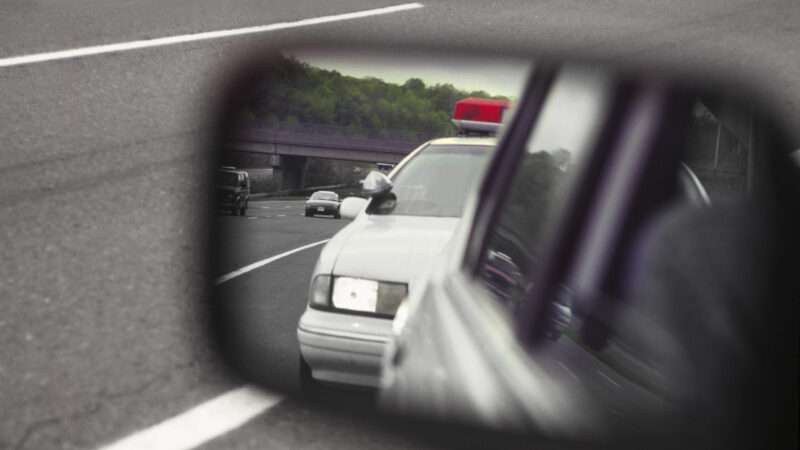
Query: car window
672	267
324	196
718	156
569	120
435	182
228	178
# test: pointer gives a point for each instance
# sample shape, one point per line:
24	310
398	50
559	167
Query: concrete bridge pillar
289	172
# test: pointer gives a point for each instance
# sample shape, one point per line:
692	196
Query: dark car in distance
323	202
233	190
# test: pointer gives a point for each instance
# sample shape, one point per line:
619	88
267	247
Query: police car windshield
436	181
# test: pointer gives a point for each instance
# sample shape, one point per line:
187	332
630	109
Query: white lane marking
214	417
184	38
202	423
264	262
281	215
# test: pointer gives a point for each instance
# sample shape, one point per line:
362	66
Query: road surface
102	188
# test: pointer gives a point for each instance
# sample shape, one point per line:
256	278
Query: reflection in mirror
627	284
356	124
617	293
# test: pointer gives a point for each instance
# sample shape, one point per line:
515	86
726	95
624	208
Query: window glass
228	178
435	182
718	150
567	124
325	196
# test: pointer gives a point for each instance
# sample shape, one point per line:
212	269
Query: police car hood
389	248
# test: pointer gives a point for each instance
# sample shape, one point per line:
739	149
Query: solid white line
184	38
264	262
202	423
214	417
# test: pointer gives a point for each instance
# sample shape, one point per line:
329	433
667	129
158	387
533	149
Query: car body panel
391	248
457	354
523	395
346	347
343	348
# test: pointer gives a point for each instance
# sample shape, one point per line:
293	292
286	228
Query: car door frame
604	185
581	246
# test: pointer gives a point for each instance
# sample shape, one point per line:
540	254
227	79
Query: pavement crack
102	397
155	379
36	427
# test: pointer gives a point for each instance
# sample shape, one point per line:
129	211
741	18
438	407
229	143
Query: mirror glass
578	252
320	121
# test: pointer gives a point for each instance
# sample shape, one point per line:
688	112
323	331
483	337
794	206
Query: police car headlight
320	292
358	294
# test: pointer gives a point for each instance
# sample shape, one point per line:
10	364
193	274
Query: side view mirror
376	183
575	279
351	207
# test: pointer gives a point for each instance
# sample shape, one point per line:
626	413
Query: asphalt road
264	318
102	188
265	330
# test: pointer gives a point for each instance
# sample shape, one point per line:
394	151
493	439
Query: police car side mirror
376	183
351	207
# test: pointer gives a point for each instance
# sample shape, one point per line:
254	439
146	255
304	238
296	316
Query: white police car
367	269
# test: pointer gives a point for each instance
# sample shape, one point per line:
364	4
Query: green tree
299	93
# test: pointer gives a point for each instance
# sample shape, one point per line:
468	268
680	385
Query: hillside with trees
298	93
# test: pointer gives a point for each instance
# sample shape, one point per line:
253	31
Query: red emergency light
479	115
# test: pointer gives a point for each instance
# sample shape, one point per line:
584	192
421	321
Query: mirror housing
560	409
351	207
376	183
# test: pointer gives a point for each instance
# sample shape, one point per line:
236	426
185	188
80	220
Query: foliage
297	93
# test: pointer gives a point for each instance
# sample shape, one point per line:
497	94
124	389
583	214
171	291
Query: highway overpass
287	148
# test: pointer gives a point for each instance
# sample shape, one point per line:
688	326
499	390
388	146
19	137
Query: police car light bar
479	115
